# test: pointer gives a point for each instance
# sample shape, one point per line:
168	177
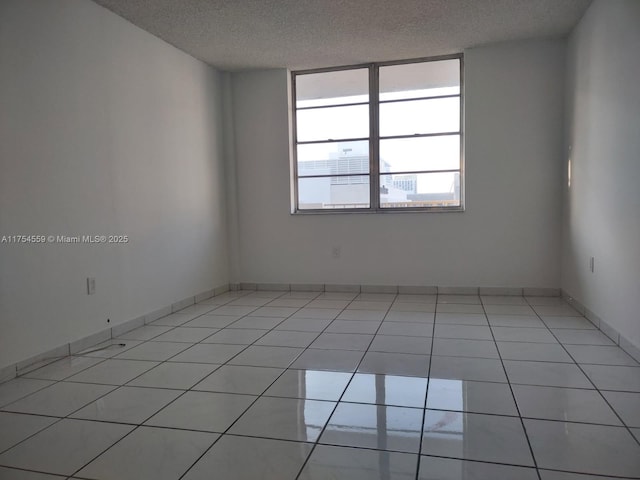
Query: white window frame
374	141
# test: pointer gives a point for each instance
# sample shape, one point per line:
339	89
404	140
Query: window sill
384	211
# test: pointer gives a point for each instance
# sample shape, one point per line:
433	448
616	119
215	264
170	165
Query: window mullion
461	164
374	136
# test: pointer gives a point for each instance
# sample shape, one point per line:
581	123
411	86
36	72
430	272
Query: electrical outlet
592	262
91	285
335	252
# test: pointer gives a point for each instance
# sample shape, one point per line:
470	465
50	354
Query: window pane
333	123
333	192
425	79
420	190
332	88
336	158
420	116
422	153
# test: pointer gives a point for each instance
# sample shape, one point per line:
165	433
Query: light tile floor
312	386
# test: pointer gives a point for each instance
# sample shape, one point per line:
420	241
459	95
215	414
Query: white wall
104	129
509	234
602	217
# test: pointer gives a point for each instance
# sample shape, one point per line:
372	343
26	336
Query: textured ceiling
244	34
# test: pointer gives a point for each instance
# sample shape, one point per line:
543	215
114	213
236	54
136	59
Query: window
379	137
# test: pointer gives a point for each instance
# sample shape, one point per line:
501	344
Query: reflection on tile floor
311	386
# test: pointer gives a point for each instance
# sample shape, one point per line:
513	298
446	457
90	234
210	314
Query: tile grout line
360	362
138	426
285	369
58	419
117	387
624	424
513	397
337	403
426	396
